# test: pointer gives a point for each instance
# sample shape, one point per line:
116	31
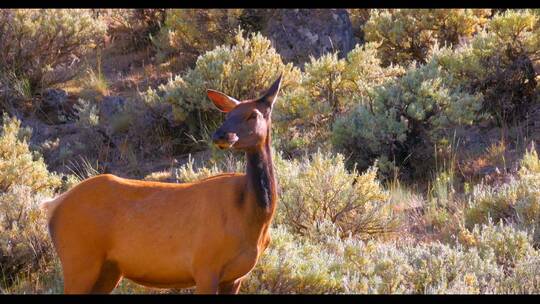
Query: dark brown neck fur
260	175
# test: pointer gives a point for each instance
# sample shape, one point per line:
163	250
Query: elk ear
270	96
223	102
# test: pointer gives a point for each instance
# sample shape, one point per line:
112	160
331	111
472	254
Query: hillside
404	140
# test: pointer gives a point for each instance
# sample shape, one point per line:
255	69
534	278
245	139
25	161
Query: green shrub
358	17
324	81
406	35
192	32
342	82
494	263
524	277
518	28
493	202
517	201
90	140
510	47
403	121
24	240
498	63
44	47
329	86
507	244
19	165
293	265
242	70
441	269
24	183
320	189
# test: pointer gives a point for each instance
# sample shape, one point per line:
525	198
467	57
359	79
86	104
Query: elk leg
108	278
207	284
230	287
80	276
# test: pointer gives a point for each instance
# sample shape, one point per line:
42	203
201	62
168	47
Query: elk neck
260	175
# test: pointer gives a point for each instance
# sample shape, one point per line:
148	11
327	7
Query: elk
207	234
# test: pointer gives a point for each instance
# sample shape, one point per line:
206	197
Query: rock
298	33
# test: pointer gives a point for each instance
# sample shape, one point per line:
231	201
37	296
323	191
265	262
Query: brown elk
209	233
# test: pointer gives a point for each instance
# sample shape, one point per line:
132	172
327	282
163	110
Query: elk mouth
224	144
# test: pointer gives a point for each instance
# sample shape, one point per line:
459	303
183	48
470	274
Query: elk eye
252	116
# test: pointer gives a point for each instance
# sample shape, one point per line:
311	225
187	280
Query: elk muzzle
224	140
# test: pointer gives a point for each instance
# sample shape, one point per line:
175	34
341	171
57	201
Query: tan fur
157	234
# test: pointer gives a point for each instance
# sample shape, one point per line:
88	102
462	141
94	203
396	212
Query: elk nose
224	139
224	136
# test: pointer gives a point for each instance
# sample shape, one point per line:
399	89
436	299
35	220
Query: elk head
247	124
